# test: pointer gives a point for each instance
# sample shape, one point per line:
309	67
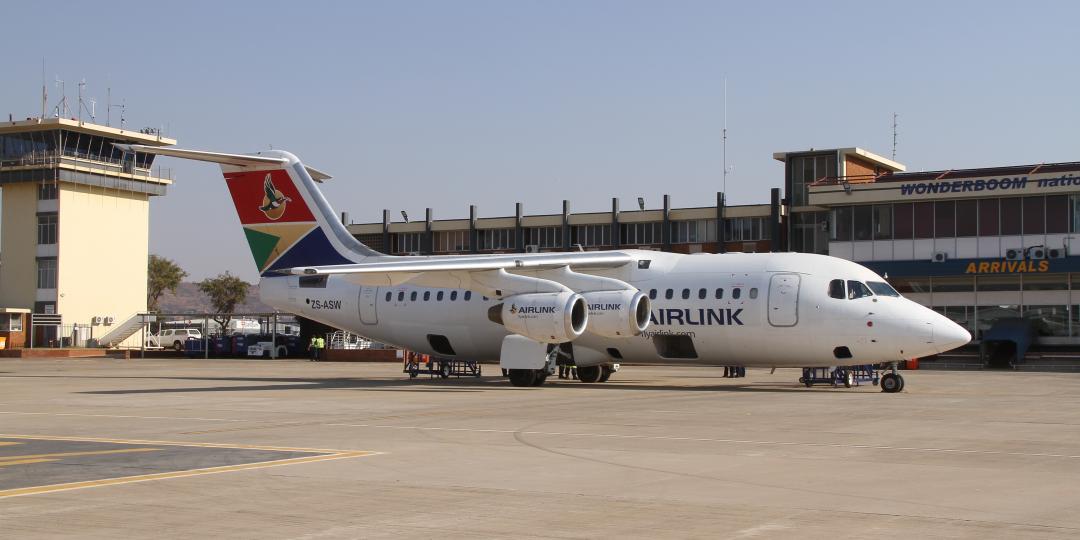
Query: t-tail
287	221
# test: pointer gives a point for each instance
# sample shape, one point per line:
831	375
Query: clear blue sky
443	104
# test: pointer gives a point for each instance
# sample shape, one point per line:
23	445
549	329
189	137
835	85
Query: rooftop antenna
123	107
724	139
894	116
82	103
61	107
44	90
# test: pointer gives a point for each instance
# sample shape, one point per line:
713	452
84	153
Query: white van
173	337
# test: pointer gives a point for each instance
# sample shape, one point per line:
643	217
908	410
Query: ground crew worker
320	344
312	350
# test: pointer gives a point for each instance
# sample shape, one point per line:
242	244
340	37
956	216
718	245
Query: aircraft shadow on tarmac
427	385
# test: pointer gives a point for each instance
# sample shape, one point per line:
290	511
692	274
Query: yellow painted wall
18	246
103	251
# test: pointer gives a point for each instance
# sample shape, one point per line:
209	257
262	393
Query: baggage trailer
843	375
417	364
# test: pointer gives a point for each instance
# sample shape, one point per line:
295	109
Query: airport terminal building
977	245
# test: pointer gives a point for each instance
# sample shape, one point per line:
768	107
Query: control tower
74	232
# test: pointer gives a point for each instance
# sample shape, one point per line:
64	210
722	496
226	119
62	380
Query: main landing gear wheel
589	374
605	373
849	379
892	383
523	377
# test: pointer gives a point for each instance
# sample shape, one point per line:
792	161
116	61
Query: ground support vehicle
442	367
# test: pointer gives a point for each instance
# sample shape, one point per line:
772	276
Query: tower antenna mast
723	147
44	90
894	116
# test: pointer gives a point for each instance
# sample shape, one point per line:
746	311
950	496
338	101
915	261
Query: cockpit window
856	289
836	289
881	288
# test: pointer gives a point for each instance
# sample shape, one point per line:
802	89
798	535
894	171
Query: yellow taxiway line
170	443
41	458
34	490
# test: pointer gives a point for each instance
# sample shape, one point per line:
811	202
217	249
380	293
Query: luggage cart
434	366
847	376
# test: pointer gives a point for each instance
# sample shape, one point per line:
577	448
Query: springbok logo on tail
273	201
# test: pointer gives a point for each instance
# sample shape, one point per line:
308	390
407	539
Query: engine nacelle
544	317
617	313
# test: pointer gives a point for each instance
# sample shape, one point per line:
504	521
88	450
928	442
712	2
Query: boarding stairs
126	329
347	340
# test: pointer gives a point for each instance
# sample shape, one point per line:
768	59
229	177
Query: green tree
162	275
225	292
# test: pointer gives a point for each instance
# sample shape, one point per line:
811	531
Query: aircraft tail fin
286	219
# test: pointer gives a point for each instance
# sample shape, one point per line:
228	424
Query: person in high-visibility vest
315	347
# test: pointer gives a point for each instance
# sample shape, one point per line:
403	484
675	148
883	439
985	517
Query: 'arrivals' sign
1007	267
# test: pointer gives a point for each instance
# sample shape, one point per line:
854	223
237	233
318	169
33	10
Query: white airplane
599	308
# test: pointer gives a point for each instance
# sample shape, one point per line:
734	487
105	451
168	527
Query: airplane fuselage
735	309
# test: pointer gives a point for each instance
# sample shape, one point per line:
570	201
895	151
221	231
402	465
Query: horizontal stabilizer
237	160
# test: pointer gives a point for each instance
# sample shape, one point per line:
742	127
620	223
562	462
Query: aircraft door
784	300
369	300
294	284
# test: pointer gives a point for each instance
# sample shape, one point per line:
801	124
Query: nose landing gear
892	381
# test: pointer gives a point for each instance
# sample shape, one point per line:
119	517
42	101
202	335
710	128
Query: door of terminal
369	301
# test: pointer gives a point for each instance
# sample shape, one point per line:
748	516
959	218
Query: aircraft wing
492	275
533	261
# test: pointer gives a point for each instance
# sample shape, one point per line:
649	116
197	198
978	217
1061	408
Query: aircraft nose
949	335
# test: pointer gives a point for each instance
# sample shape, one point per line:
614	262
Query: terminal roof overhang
43	124
866	155
1011	170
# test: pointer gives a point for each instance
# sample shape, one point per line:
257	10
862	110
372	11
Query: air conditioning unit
940	257
95	321
532	248
1056	253
1036	252
109	321
1014	254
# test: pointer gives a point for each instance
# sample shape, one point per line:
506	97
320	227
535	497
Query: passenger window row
718	293
439	296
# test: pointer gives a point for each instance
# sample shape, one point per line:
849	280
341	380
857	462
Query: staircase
125	330
348	340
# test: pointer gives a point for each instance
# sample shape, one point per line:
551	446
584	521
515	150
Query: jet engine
544	317
617	313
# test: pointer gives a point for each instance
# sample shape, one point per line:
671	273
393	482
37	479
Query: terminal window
747	229
496	238
591	235
407	242
696	230
806	170
11	322
46	273
46	232
544	237
641	233
452	241
47	192
1008	216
